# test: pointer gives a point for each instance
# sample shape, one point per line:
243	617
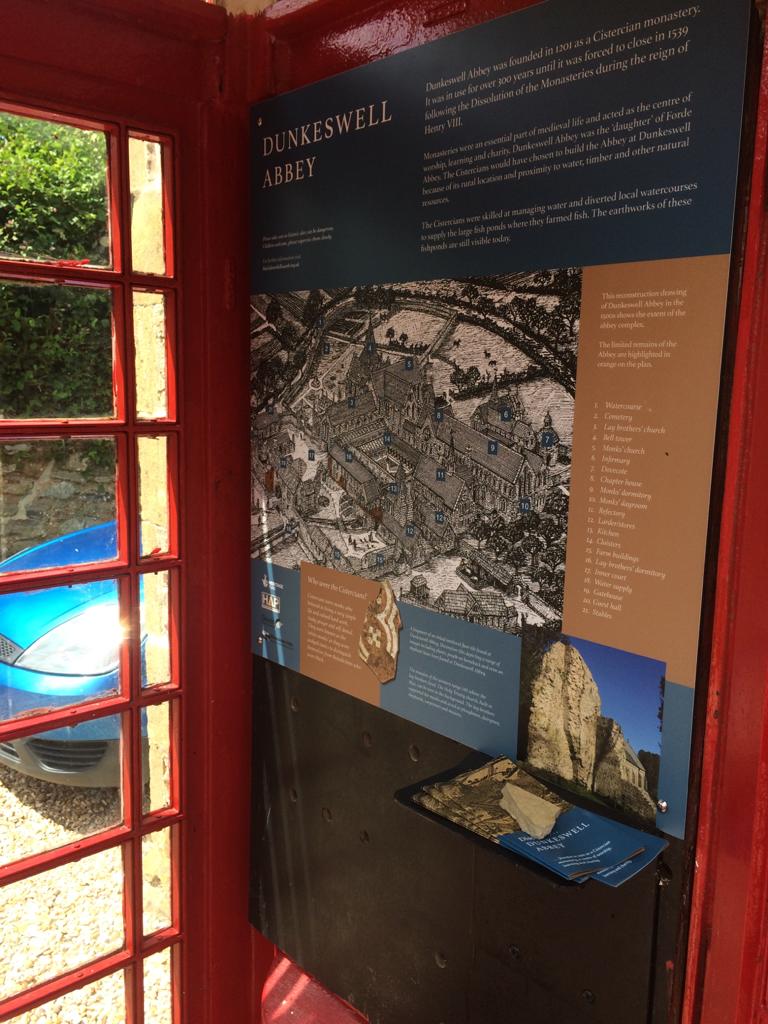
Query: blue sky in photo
629	690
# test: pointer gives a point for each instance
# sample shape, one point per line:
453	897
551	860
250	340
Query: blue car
59	647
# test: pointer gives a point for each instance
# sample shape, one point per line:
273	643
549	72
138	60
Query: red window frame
727	968
121	279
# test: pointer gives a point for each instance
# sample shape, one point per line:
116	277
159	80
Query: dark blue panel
478	708
275	612
366	184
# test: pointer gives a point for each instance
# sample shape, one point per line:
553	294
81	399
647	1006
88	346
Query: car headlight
86	645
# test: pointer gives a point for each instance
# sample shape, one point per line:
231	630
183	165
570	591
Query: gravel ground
71	914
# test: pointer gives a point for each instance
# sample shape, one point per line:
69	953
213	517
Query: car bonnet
27	615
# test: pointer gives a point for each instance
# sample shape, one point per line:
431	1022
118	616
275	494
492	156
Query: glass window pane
153	494
59	646
55	352
101	1002
156	880
155	634
61	919
147	214
156	766
58	786
53	192
149	334
158	988
57	503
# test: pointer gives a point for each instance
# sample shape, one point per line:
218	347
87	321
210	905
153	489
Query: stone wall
564	709
50	488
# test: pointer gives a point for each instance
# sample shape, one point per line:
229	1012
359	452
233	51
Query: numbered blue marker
410	530
326	348
283	463
548	439
311	454
440	474
439	517
387	438
348	456
393	489
379	559
370	346
506	414
271	408
493	447
336	554
525	504
409	362
439	415
321	321
351	402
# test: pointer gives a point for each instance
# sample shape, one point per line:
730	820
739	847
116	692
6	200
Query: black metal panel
411	921
586	948
347	881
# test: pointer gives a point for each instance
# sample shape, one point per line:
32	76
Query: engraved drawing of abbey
421	433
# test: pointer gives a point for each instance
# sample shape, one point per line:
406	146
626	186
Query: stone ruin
570	738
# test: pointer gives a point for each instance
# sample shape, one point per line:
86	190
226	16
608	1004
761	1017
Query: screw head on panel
662	806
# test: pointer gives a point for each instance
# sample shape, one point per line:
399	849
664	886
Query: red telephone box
180	75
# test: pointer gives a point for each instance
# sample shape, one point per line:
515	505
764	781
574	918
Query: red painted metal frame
156	67
312	39
226	386
727	964
124	428
193	80
289	991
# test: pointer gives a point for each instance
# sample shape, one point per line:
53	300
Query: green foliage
55	342
53	191
55	352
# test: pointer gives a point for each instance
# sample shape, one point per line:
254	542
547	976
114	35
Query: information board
489	281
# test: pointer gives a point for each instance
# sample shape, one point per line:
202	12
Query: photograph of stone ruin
421	433
566	736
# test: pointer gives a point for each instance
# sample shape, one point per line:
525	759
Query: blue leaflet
621	873
583	843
